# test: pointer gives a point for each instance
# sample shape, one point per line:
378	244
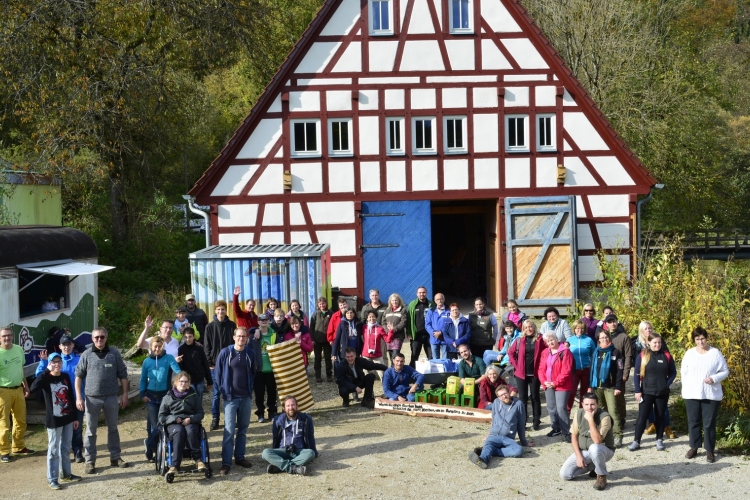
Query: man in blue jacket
508	418
234	376
397	380
293	441
70	361
434	326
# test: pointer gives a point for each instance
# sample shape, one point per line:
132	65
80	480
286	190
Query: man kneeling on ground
293	441
350	377
593	443
397	380
508	418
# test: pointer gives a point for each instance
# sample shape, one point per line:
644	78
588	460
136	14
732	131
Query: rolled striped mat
290	374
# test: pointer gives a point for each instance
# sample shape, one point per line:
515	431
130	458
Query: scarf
600	371
553	326
352	328
178	394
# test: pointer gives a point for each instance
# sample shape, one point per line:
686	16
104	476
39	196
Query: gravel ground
365	454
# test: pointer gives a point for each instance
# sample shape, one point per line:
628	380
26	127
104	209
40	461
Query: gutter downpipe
638	206
191	205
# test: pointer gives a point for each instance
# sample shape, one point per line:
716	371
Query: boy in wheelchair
180	414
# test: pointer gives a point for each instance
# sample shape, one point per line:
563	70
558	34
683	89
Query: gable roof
566	77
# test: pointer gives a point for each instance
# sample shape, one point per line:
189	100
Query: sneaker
173	470
272	469
659	445
90	468
553	433
200	465
669	433
25	451
710	458
476	460
261	420
298	469
5	459
691	453
54	485
537	426
119	463
651	429
214	424
71	478
243	463
601	482
566	438
478	450
79	457
368	403
618	442
224	470
345	403
634	446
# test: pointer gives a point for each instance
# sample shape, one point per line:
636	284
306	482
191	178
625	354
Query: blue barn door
396	247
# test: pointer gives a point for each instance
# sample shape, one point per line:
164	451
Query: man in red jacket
247	318
333	324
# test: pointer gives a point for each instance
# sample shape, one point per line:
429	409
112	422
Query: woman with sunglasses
589	319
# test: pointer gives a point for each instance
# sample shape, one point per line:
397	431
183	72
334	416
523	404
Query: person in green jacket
470	366
416	330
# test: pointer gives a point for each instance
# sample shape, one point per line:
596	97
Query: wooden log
433	410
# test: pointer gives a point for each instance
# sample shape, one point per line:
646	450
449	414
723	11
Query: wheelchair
163	456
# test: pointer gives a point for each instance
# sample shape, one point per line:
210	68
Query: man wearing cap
13	393
195	315
622	343
265	382
69	362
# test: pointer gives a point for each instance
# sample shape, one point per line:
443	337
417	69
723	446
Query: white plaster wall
486	173
462	79
455	174
296	217
517	173
341	177
438	10
611	170
237	215
331	212
307	177
421	21
394	99
369	135
306	100
368	100
350	60
546	96
524	53
273	214
460	54
395	175
369	176
424	175
382	55
271	181
516	96
421	55
234	179
343	242
568	99
262	139
546	172
498	17
423	99
344	274
236	238
339	100
609	205
585	238
524	78
576	173
566	146
485	133
614	235
580	208
588	266
454	98
300	237
275	106
306	82
492	58
485	97
582	132
317	57
343	19
272	238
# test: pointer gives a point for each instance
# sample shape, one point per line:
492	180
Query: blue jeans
215	395
152	423
439	351
78	433
58	451
236	417
200	389
500	446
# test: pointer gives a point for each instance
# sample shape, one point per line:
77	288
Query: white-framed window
395	136
517	133
305	137
546	139
381	17
423	135
340	137
461	16
454	134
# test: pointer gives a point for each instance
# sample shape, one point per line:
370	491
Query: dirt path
370	455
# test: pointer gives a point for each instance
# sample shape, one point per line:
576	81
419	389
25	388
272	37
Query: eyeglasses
102	337
165	326
588	310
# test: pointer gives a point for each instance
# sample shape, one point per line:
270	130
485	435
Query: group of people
510	366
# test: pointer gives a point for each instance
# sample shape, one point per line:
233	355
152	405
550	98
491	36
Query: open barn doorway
463	250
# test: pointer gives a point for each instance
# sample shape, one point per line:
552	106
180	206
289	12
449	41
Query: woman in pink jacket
556	377
372	333
301	334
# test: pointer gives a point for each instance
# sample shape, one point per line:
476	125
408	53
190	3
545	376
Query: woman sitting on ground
489	384
181	413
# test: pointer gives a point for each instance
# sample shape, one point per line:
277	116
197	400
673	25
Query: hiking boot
651	429
90	468
669	433
53	485
659	445
601	482
634	446
476	460
243	463
79	457
24	451
553	433
200	465
224	470
272	469
71	478
618	442
214	424
119	463
691	453
300	470
710	458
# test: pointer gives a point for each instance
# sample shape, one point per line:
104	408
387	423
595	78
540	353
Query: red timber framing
570	97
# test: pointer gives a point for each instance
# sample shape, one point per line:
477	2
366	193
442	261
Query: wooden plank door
541	249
